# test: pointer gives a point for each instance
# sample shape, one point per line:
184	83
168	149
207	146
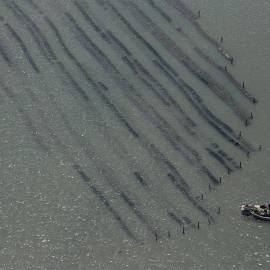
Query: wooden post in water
240	135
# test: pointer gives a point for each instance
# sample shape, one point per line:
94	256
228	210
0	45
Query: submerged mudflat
128	139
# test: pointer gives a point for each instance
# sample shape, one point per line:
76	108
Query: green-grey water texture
49	219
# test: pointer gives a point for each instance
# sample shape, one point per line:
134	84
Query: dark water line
224	155
220	91
75	85
192	18
20	18
129	64
140	179
5	55
224	130
105	202
64	72
219	158
87	18
174	139
119	43
29	124
119	115
176	219
38	37
22	45
182	185
88	78
159	10
227	74
125	58
122	194
154	90
189	197
175	79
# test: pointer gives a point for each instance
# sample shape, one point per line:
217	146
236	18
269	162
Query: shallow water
69	198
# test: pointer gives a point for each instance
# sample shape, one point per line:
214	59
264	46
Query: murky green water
69	149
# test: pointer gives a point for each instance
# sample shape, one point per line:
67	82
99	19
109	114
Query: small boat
261	212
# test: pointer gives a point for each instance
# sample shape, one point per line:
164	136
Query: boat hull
261	217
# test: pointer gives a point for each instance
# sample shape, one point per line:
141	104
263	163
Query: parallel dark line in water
76	86
105	202
176	219
190	16
140	179
19	17
36	33
119	115
137	212
163	126
189	196
220	91
187	121
159	10
121	46
227	74
223	129
125	196
126	59
84	72
231	137
64	149
119	43
225	156
29	124
23	47
170	208
189	124
146	72
178	180
89	153
222	69
219	159
85	15
5	55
